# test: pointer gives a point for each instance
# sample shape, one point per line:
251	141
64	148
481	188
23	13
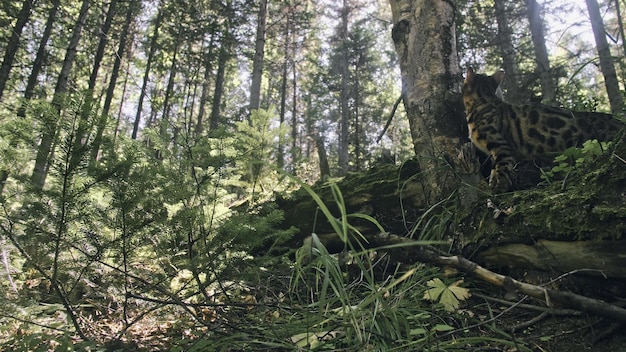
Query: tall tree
226	44
424	38
507	51
548	88
344	73
13	44
280	156
32	78
133	7
208	72
259	54
222	61
81	139
152	47
173	70
39	57
104	34
620	25
606	61
40	170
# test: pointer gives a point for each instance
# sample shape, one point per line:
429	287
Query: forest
294	175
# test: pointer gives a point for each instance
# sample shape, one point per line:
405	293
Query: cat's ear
499	76
470	74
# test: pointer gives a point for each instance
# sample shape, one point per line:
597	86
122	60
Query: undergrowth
143	250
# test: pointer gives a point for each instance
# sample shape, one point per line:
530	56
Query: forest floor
535	328
561	330
172	328
566	334
549	333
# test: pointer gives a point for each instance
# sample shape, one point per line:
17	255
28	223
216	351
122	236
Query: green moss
588	204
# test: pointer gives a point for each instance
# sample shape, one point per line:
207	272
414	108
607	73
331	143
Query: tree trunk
344	132
169	90
222	61
40	170
620	23
358	149
548	89
84	129
280	155
606	62
104	38
72	50
323	156
13	44
130	14
259	55
295	151
133	6
32	78
120	108
146	75
424	38
208	71
39	57
507	51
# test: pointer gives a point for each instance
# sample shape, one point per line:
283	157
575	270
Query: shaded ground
556	330
171	328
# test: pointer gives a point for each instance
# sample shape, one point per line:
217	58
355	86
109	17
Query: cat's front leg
501	178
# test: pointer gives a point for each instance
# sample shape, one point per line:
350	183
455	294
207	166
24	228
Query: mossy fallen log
595	257
572	224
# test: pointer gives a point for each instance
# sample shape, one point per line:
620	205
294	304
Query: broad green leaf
450	296
436	289
461	293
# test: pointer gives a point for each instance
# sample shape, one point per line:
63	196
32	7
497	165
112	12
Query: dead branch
552	298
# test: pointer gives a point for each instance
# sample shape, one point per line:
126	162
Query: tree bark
548	89
280	154
606	62
204	96
102	43
358	148
120	108
39	57
13	44
507	51
40	170
32	78
620	23
146	75
323	156
222	61
84	126
133	5
295	151
169	90
344	93
424	38
259	55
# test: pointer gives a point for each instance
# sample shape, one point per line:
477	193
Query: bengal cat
511	133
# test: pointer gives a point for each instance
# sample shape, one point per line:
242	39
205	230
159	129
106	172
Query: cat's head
477	86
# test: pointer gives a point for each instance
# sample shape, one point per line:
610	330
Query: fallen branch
552	298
